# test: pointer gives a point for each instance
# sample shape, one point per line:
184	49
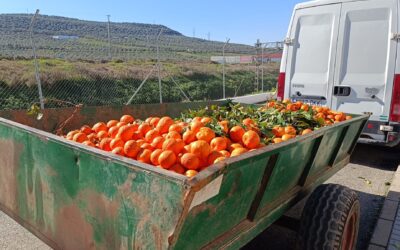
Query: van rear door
311	53
365	61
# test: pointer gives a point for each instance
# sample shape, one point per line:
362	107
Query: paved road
369	172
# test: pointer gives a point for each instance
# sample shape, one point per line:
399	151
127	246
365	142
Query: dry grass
52	70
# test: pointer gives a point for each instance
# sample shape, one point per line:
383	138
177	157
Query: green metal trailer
75	197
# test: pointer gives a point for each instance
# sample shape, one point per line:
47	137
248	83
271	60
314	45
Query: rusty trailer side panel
76	197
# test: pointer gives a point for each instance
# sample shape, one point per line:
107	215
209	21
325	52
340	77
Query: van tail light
395	105
281	86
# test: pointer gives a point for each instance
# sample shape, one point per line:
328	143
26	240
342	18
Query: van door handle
341	91
300	96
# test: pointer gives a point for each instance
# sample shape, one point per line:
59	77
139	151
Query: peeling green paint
81	198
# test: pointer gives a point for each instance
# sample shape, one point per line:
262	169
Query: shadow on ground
365	157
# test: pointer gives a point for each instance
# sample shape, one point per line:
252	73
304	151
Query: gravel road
369	173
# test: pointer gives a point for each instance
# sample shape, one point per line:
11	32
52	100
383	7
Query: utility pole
159	65
208	36
262	66
194	32
39	84
223	68
109	38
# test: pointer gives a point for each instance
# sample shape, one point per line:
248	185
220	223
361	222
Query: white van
343	54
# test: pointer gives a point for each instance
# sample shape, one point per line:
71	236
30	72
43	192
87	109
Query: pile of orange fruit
187	147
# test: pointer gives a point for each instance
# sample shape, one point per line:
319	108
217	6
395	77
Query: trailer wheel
330	219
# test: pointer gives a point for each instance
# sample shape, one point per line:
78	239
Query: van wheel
330	219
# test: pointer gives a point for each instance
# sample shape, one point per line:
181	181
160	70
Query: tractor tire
330	219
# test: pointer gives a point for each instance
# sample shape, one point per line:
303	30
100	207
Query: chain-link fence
95	63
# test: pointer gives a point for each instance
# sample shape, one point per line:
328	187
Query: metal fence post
158	65
109	38
223	68
35	60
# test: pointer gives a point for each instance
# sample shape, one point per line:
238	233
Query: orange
148	119
197	119
127	119
174	145
112	132
219	159
224	125
144	128
190	173
154	156
102	134
348	117
80	137
339	117
320	115
167	159
186	149
144	155
93	137
271	104
306	131
177	168
120	124
189	136
158	142
225	153
218	143
164	124
71	134
174	135
277	140
112	123
99	127
236	133
249	123
304	107
118	151
150	135
117	142
213	156
290	130
251	139
190	161
131	149
205	134
137	135
88	143
86	129
278	131
234	146
105	144
176	127
125	132
154	121
200	148
140	142
147	145
286	137
196	125
205	120
238	151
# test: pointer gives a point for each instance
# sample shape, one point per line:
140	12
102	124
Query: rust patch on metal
100	205
157	237
72	231
9	163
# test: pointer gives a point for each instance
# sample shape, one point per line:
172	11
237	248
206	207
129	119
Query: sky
241	21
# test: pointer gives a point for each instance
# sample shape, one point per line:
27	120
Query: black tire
330	219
